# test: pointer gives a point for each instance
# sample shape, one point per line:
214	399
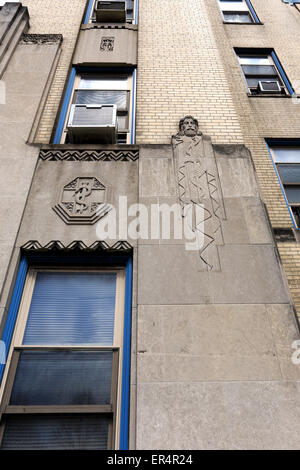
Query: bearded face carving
189	126
199	189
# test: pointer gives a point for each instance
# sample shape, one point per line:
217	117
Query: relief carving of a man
198	188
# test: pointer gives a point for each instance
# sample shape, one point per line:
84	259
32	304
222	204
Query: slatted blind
41	432
63	378
72	308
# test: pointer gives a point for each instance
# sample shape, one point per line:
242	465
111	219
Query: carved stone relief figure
107	44
199	190
83	201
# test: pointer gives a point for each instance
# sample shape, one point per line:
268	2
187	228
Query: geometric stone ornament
107	44
199	190
82	201
77	245
89	155
40	38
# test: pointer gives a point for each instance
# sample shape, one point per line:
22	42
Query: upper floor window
263	72
287	161
112	11
100	110
238	11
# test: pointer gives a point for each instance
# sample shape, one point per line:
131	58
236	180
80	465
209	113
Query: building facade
149	236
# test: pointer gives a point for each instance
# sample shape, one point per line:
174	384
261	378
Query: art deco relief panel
199	190
116	46
73	189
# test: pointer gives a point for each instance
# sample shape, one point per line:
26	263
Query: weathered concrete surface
218	415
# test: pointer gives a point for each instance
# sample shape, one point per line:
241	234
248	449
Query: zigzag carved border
40	38
89	155
77	245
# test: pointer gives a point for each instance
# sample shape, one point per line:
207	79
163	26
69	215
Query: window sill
109	26
90	147
248	24
268	96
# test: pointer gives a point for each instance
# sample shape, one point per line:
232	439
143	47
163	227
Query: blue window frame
263	72
70	331
238	11
285	155
76	92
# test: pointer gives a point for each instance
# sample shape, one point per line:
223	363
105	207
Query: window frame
249	9
286	88
75	76
91	8
16	346
272	145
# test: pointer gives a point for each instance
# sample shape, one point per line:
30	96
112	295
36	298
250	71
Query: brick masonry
180	72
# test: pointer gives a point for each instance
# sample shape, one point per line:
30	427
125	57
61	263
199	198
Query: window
99	110
238	11
263	73
62	384
287	161
111	11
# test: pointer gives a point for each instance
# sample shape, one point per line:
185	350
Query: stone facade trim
89	155
77	245
41	38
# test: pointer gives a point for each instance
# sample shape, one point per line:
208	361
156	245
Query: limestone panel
106	46
214	415
43	224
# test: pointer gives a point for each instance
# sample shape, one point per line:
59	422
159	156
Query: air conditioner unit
93	123
269	86
110	12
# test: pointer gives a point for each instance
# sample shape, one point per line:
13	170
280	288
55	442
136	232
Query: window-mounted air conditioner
269	86
110	12
93	123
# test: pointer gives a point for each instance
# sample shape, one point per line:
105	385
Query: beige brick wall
55	17
180	72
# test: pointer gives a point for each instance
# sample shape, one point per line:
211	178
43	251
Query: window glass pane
263	60
102	97
114	83
63	378
237	18
122	122
56	432
259	70
289	173
293	193
287	155
72	308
